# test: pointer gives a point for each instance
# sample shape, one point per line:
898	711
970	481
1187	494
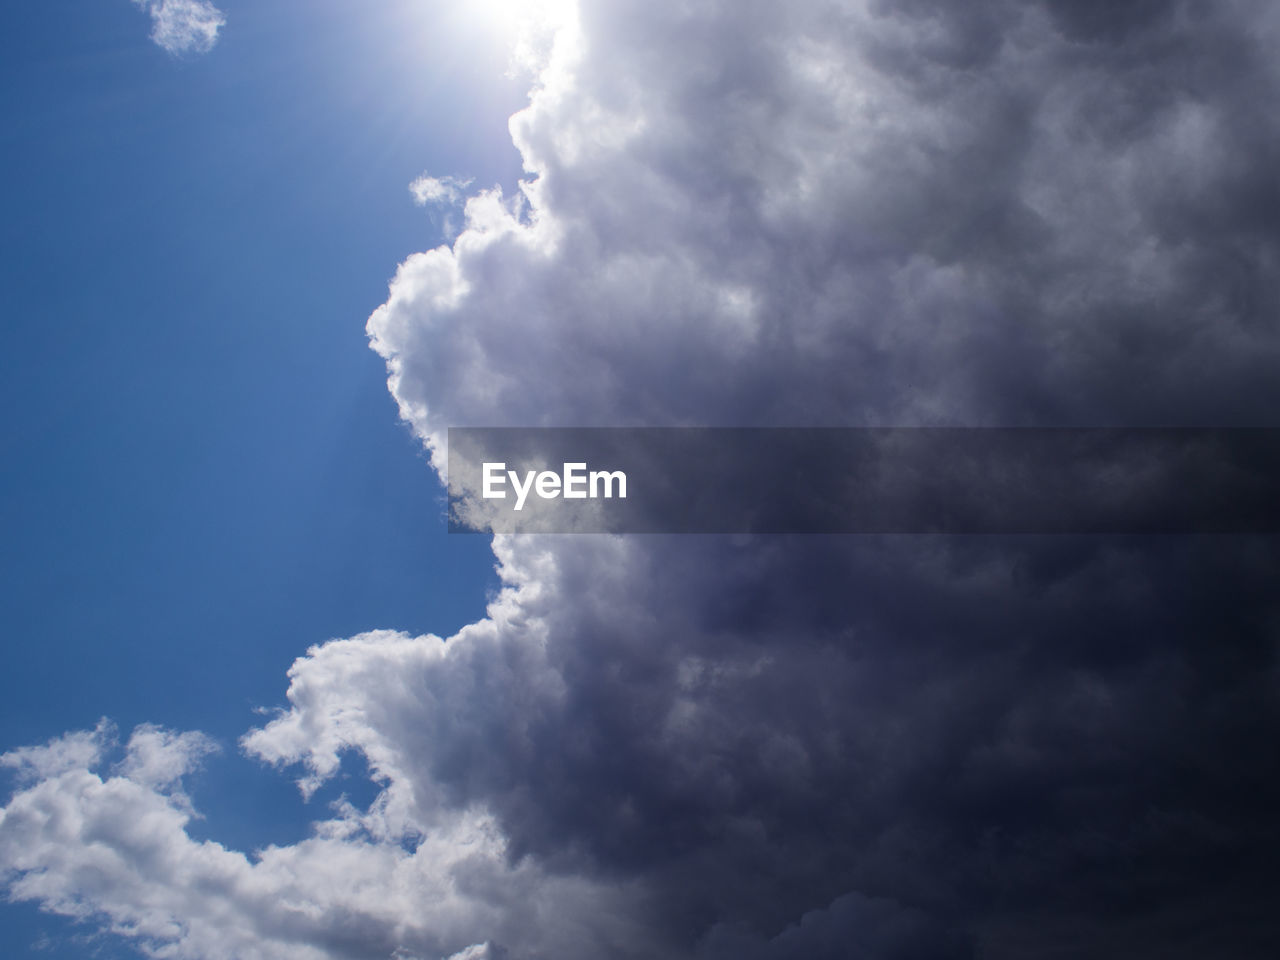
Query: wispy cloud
442	196
184	26
438	191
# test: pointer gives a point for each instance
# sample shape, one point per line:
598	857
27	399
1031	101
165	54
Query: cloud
866	214
852	926
698	747
443	195
184	26
74	750
442	191
115	850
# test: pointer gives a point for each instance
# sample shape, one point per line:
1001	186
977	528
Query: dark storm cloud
983	731
1032	214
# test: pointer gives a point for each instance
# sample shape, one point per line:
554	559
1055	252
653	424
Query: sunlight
526	27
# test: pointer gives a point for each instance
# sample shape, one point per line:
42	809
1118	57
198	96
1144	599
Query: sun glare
527	27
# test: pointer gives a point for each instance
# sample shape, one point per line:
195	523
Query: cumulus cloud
866	213
114	849
184	26
810	213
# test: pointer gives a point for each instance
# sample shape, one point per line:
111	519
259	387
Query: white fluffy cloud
184	26
812	213
111	845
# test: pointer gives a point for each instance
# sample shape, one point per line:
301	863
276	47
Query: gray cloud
870	214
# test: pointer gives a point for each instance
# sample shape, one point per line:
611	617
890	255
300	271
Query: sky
259	257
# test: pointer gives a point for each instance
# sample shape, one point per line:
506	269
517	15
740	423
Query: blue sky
203	471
